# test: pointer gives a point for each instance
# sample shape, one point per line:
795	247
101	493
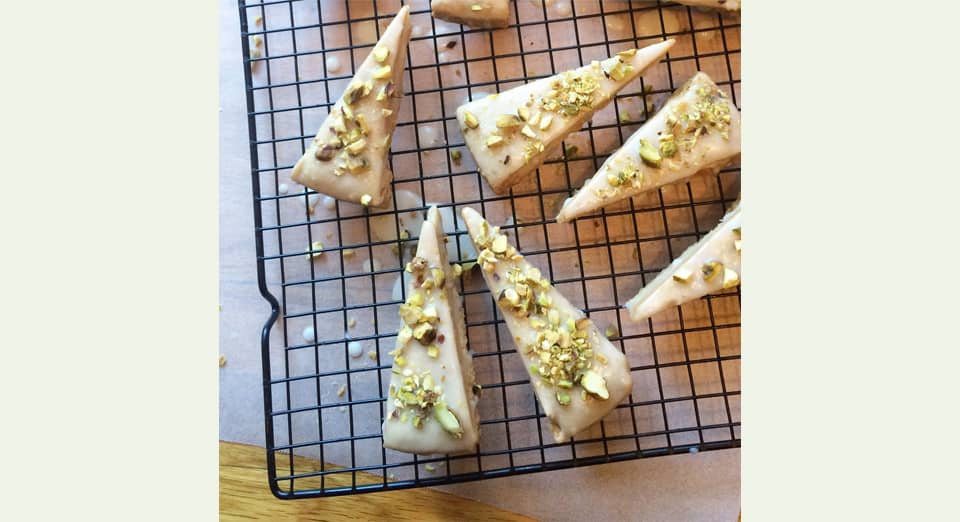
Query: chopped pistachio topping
386	112
327	151
545	122
616	69
404	336
711	269
737	231
357	147
629	53
528	132
476	7
630	173
570	92
563	398
523	112
433	351
686	122
380	53
649	154
447	420
668	146
438	277
366	199
499	244
730	278
470	120
531	149
494	140
683	275
507	121
386	91
457	270
419	397
382	72
594	383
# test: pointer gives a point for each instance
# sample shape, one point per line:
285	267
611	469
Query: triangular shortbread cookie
697	129
578	375
348	158
511	133
432	403
711	264
474	13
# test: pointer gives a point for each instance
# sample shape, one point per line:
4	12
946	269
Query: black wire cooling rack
323	404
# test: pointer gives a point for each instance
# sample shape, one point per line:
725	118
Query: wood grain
244	494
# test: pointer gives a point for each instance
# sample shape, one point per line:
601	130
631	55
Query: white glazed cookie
474	13
348	158
511	133
697	129
711	264
432	403
577	374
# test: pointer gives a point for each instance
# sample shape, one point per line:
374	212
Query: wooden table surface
244	494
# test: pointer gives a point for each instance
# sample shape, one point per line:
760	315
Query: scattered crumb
220	307
391	476
308	334
312	203
349	252
457	72
611	331
430	468
223	360
372	355
254	54
258	20
351	322
342	408
316	250
333	64
341	390
355	349
451	44
329	235
257	40
283	188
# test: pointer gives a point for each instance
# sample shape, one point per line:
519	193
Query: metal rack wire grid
323	406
